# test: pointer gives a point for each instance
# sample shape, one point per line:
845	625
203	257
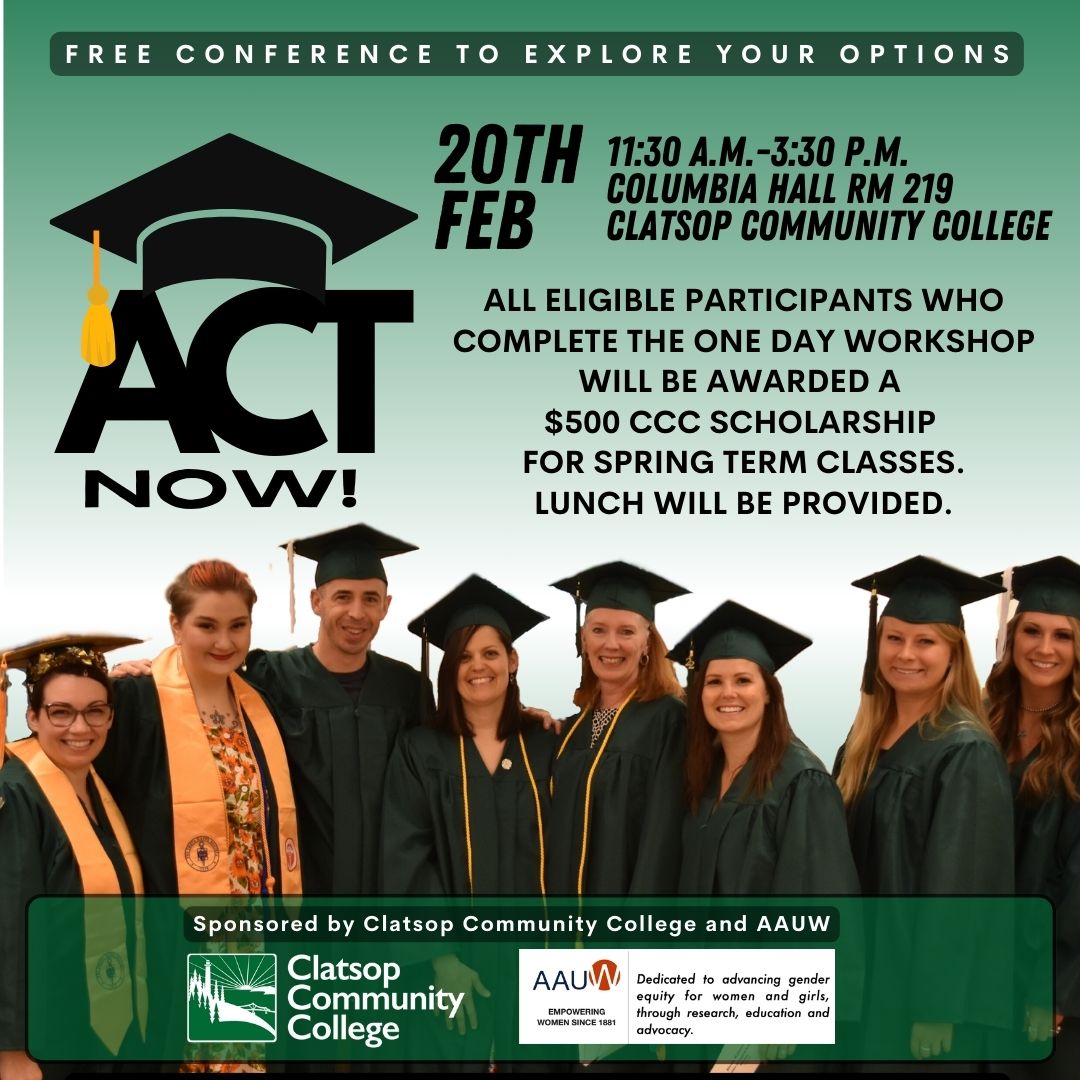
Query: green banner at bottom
507	979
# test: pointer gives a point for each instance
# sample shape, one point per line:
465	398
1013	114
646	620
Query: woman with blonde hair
616	812
1033	700
927	793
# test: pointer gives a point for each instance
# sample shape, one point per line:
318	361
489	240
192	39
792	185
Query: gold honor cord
3	704
589	779
468	829
536	803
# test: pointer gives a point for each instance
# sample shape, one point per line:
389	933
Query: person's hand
456	978
930	1040
130	667
545	718
1039	1023
18	1065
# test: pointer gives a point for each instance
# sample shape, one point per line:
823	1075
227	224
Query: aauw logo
231	997
602	975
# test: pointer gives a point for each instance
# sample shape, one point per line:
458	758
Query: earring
513	677
644	661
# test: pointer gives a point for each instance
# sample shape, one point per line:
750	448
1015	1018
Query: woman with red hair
195	760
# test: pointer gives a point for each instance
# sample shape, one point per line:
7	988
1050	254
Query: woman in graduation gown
929	811
195	760
196	764
765	815
617	807
467	795
61	834
1033	698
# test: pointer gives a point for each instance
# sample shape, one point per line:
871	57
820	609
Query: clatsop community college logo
231	997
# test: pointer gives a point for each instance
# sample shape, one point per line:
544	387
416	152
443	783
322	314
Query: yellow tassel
3	704
98	337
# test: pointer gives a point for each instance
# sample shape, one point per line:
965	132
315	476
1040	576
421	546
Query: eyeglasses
64	715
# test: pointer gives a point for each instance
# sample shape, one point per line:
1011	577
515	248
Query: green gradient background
451	428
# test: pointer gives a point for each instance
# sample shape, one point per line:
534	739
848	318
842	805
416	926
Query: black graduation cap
355	552
1050	586
37	658
920	590
216	212
475	602
734	632
618	585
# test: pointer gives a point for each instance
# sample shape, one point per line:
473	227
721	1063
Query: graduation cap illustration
227	209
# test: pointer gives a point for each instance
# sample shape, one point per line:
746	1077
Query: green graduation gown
134	764
936	816
424	851
935	819
791	840
636	808
1048	864
338	753
425	854
36	859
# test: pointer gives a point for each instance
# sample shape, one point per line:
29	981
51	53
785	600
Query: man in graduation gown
340	706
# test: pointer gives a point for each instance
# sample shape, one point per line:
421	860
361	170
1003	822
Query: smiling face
733	697
484	669
350	612
614	642
1044	652
214	636
71	748
913	658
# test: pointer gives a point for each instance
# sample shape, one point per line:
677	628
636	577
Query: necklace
1047	708
600	720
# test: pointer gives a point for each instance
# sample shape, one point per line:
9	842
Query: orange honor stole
200	826
107	963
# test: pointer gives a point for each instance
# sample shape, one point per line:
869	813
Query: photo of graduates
335	770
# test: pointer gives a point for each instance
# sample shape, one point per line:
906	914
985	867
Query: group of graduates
331	770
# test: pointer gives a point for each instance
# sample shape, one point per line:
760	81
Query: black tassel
424	667
869	676
577	619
